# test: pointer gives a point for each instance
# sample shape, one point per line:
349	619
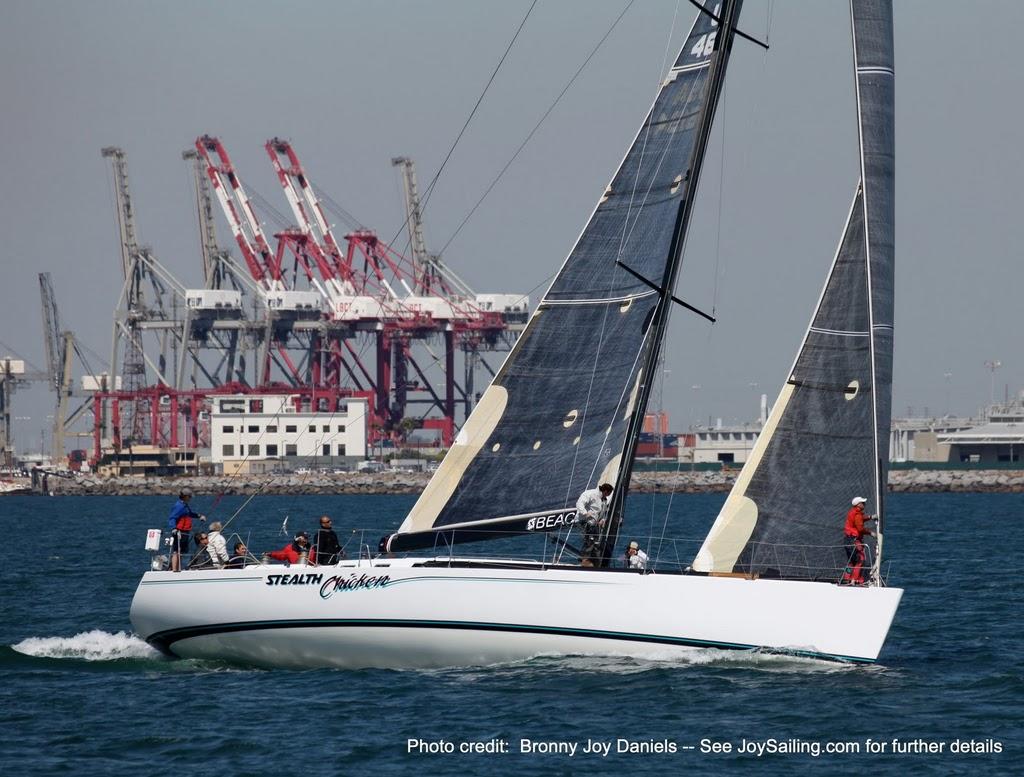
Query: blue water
81	694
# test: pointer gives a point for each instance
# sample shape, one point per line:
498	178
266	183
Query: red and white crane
241	217
353	293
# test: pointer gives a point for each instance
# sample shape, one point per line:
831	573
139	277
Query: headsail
826	439
555	420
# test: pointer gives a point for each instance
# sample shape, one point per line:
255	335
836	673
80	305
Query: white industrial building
924	439
724	444
250	433
998	440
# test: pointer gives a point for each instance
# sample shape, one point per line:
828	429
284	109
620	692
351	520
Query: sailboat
564	414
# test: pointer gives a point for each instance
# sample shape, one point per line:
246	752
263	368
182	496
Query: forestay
555	419
827	437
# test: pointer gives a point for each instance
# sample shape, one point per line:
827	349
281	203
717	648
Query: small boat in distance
564	414
13	487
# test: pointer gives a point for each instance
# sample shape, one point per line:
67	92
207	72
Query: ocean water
82	695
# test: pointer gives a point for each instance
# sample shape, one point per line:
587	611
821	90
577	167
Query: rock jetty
685	482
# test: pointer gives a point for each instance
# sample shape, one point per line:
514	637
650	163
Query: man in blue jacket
179	524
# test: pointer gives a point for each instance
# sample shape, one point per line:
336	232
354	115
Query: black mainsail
562	414
827	437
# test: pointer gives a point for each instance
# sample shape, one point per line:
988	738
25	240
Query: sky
353	84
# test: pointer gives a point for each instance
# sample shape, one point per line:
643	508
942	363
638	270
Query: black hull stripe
163	640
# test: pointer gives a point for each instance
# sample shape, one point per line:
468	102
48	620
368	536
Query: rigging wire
721	188
270	479
658	432
536	127
611	287
472	113
718	236
624	236
643	149
318	446
22	358
332	205
265	205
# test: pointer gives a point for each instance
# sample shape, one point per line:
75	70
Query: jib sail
827	437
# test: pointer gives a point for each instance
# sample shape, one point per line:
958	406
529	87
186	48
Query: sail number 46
705	45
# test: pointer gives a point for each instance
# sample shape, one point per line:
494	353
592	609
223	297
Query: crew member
240	557
293	550
179	524
326	548
202	558
854	533
592	515
635	558
218	546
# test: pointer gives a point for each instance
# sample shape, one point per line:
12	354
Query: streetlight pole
992	365
42	438
746	442
19	418
661	413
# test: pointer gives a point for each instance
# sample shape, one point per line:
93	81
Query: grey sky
354	83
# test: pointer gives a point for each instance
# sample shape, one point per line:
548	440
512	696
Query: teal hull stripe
391	584
231	579
434	579
162	640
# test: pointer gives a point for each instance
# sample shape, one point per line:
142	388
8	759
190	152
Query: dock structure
320	315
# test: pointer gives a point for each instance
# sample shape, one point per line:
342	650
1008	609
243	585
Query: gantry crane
140	309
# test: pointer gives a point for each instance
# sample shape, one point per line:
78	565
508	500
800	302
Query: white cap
634	545
858	500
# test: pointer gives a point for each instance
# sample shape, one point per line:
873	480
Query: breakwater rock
976	480
324	484
682	482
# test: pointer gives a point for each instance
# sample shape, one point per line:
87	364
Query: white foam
93	645
657	657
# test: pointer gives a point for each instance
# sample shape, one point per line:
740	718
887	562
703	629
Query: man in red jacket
293	549
854	533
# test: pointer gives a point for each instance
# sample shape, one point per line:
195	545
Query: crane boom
239	213
309	216
51	328
125	212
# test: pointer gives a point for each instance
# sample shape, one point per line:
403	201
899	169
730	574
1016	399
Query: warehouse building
277	431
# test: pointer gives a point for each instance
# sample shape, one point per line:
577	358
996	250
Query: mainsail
827	437
558	416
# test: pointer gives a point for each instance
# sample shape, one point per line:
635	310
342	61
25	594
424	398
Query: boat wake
655	661
100	651
93	645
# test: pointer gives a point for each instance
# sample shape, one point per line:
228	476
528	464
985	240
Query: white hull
406	615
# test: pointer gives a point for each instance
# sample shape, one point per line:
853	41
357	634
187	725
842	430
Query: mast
871	29
723	47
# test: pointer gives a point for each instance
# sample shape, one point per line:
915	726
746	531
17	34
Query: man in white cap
854	532
635	558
